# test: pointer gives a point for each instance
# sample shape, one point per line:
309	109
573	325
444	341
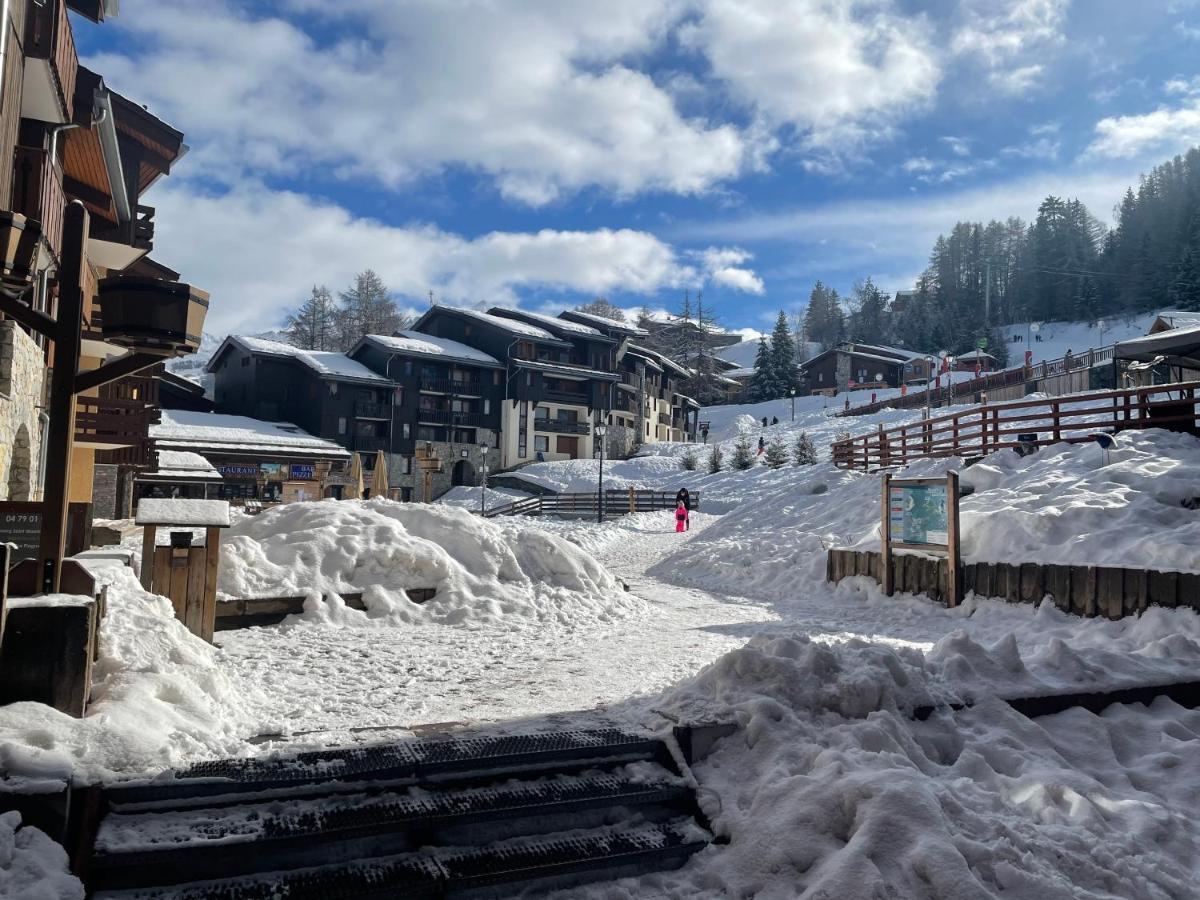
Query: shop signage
242	471
303	472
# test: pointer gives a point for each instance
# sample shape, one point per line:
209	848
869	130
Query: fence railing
991	381
616	503
1028	423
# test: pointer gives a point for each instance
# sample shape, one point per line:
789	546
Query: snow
552	322
193	513
324	362
418	343
604	322
1077	337
32	866
216	431
482	572
184	464
511	326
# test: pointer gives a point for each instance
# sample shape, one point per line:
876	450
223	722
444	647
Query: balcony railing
50	44
568	397
451	386
664	420
370	443
105	423
38	193
557	426
447	417
137	233
365	409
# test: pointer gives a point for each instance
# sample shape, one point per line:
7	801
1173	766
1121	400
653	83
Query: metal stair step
156	848
406	761
549	860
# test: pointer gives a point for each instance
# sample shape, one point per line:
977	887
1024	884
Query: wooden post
954	565
885	533
632	501
1055	408
212	547
148	533
60	434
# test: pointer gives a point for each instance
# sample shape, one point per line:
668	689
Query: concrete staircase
482	816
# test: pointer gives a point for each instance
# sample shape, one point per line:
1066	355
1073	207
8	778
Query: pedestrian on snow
762	446
764	421
682	496
681	518
1067	361
774	420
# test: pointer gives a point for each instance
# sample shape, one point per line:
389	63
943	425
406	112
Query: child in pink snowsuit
681	517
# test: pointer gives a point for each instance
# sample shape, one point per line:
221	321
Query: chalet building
70	137
975	361
557	384
856	366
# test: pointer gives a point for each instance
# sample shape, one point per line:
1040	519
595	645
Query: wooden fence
1030	423
616	503
1083	590
1056	373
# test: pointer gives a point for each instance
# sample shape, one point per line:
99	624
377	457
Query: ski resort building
854	365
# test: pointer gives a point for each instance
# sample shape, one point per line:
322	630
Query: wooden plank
46	656
178	589
1110	589
873	564
1189	590
985	579
162	571
1136	591
1163	589
862	563
1057	583
212	559
1083	590
941	589
1031	587
886	566
148	556
194	592
954	572
830	568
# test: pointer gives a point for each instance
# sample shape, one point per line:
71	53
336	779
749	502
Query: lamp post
483	479
793	404
601	430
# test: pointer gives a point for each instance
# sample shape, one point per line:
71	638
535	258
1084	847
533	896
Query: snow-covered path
327	684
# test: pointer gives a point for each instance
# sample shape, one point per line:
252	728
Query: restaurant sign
303	472
238	471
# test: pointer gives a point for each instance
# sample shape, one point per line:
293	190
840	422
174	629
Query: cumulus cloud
1163	129
725	267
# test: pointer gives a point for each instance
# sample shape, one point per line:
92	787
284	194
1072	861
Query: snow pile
481	572
159	696
32	866
832	789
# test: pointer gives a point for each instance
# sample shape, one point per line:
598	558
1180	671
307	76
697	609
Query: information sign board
918	513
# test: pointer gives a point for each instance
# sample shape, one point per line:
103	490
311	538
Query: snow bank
32	866
159	696
482	573
831	789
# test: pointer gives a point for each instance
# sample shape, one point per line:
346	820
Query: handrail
987	428
616	502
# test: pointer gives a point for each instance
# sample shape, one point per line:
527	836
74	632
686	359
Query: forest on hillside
1064	265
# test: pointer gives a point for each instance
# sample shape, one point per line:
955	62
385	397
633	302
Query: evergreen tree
743	453
762	384
868	321
782	356
776	455
367	308
804	452
313	326
716	459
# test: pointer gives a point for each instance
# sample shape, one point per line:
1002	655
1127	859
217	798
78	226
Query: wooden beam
121	367
27	315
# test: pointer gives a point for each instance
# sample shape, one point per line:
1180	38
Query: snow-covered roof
740	373
1180	318
417	343
605	322
551	322
182	429
194	513
186	465
1178	345
974	354
889	351
325	363
648	356
666	361
510	326
566	370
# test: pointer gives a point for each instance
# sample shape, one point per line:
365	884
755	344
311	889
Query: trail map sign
921	514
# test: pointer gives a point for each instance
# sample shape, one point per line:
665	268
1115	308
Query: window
425	433
541	442
406	431
245	361
408	367
487	406
541	413
341	424
496	377
820	377
333	389
399	396
568	415
407	468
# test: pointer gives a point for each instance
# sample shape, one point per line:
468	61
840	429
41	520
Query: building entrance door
462	473
569	446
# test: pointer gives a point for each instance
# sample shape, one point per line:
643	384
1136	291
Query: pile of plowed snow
481	573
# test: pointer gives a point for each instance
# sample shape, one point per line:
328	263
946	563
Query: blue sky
543	153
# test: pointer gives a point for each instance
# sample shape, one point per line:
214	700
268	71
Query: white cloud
1041	148
1003	35
1188	32
1162	130
919	164
259	251
537	96
958	146
841	72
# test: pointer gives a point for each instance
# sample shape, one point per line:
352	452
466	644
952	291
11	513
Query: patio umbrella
354	490
379	482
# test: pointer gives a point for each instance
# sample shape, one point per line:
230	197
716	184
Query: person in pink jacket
681	517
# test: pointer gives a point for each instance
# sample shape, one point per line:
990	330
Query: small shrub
689	460
716	459
804	453
776	455
743	453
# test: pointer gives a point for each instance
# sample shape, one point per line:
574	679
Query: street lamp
483	449
793	404
601	431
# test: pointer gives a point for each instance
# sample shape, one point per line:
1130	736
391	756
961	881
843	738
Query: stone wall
105	488
450	454
22	370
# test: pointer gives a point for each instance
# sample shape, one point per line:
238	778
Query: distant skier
762	446
764	421
774	420
681	518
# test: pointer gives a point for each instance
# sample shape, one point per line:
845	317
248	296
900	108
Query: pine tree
312	326
804	452
716	459
776	455
785	376
603	308
743	453
762	384
367	308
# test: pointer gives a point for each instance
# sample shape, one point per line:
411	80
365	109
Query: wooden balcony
51	63
104	423
558	426
365	443
37	193
451	386
447	417
571	397
365	409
